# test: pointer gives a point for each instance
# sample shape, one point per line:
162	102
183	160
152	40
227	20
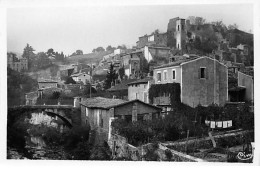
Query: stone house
247	82
31	98
139	89
203	80
17	64
99	112
157	54
81	77
47	83
121	90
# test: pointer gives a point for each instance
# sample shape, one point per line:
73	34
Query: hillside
88	58
237	37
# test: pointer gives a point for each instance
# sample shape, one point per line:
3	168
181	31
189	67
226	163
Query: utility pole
90	81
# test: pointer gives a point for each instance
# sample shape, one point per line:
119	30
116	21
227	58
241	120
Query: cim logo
243	156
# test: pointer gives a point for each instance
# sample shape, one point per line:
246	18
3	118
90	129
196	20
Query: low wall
223	140
121	150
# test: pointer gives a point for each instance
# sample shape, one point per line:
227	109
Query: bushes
160	89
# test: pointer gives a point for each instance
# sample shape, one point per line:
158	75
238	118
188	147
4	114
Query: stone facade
47	84
247	82
202	80
99	119
180	33
17	65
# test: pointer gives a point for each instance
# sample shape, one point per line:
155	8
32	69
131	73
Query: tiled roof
77	74
136	100
121	86
50	90
176	63
101	102
145	80
46	81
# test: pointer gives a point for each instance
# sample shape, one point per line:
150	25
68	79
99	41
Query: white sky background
86	27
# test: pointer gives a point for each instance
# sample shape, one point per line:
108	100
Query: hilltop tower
180	33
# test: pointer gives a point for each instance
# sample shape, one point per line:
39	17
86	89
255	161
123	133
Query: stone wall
122	150
222	140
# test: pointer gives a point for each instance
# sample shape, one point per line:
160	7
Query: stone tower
180	33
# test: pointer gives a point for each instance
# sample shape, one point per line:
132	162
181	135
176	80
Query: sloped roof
136	100
78	74
46	81
176	63
101	102
121	86
140	81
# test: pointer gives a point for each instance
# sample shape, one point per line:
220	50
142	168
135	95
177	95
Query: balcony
164	100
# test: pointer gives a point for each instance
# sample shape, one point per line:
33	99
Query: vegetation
176	124
98	49
69	80
121	72
111	77
17	85
165	89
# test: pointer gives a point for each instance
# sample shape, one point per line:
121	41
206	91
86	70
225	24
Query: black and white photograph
114	81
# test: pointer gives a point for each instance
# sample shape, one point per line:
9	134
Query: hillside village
188	87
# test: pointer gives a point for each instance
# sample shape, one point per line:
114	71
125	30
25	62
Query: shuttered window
159	77
173	74
202	73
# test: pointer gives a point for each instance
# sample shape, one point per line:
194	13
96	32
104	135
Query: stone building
139	89
203	80
99	112
17	64
180	34
81	77
247	82
31	98
47	83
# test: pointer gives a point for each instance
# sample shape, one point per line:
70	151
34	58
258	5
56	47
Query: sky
68	29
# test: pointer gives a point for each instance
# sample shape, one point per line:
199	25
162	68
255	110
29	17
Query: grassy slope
88	58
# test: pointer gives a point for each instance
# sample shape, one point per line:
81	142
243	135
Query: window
159	77
165	75
202	72
178	27
173	74
182	27
101	123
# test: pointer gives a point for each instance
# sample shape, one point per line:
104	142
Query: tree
110	48
196	20
13	55
231	27
79	52
69	80
111	77
50	52
121	47
98	49
42	60
197	43
156	31
121	72
28	54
